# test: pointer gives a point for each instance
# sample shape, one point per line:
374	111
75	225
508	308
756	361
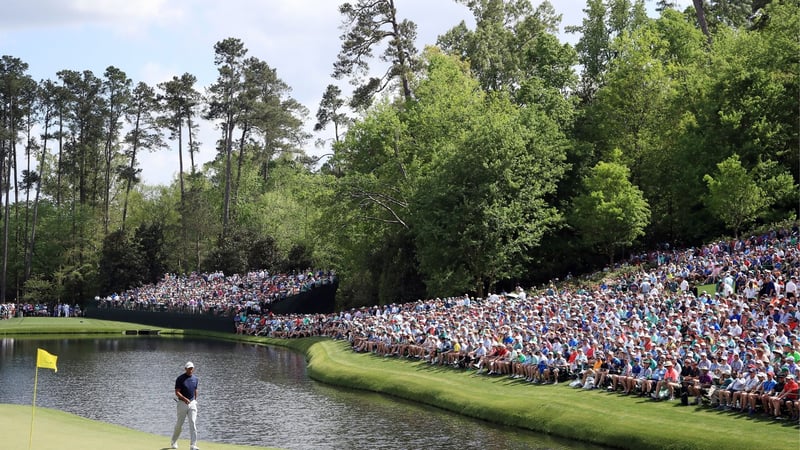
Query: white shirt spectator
791	287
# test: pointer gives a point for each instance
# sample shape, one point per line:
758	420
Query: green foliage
733	195
455	181
299	258
149	243
228	256
612	213
38	289
512	43
471	189
602	23
366	25
121	264
263	253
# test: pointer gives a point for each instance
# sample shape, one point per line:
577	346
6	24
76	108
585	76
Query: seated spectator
785	397
726	395
702	387
750	400
751	383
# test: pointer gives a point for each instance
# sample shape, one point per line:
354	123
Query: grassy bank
591	416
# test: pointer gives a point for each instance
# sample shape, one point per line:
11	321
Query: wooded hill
496	155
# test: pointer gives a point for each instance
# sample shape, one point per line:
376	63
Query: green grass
711	289
56	429
590	416
71	325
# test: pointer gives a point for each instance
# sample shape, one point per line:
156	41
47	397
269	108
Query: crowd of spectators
715	324
216	293
9	310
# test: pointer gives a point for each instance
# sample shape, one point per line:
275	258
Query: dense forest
494	156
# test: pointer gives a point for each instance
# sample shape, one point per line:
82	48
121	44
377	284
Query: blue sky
153	40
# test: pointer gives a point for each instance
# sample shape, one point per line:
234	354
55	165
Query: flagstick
33	409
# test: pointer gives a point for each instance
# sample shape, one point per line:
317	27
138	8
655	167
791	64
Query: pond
248	394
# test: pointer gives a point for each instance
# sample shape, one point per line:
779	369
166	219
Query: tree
513	43
732	13
481	204
781	192
47	103
85	134
330	112
16	89
178	102
733	195
611	213
752	103
223	106
662	5
601	24
116	92
148	241
144	134
121	264
270	120
367	23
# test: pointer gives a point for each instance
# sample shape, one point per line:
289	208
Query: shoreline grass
595	417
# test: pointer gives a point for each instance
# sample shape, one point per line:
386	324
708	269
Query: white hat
189	365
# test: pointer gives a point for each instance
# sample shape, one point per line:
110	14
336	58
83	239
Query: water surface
248	394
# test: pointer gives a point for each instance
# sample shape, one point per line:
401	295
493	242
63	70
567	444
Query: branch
385	202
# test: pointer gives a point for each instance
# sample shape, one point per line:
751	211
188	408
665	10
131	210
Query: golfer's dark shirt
187	384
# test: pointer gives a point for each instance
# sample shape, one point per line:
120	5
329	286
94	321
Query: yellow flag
45	360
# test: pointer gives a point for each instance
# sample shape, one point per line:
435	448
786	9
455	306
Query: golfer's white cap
188	365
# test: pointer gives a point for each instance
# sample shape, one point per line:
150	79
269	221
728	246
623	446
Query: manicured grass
53	429
69	325
592	416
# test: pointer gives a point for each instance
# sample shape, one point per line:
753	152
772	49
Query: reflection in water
248	394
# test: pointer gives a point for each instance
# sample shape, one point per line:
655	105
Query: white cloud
119	16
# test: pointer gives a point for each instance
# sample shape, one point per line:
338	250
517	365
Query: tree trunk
6	210
131	168
60	152
191	144
701	18
32	241
239	164
226	203
401	55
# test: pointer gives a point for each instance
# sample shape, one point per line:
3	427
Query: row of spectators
643	333
217	294
9	310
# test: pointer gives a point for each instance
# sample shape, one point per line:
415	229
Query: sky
154	40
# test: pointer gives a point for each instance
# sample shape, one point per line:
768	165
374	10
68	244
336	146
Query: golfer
186	393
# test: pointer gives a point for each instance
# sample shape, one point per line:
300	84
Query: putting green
53	429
